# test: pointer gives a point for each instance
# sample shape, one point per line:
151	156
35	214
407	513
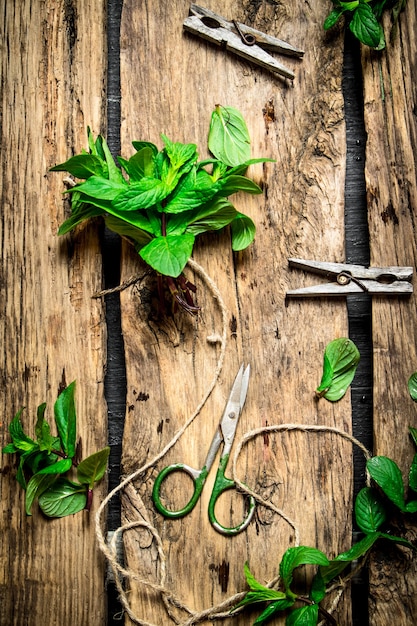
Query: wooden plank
389	99
53	64
170	83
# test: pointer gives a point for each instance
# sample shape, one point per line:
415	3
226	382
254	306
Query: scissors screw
232	415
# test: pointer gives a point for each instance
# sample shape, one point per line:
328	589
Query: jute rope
109	549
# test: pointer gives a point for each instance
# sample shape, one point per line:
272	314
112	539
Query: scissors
348	279
244	41
225	434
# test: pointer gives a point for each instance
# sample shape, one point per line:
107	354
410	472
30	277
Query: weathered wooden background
53	86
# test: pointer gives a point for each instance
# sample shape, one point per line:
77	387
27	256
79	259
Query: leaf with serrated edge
300	555
370	512
303	616
386	473
340	361
63	498
66	419
93	468
168	255
228	138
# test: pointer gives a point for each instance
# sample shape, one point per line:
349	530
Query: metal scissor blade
234	407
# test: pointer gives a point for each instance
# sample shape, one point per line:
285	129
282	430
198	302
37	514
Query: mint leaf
99	188
140	165
412	386
304	616
318	588
412	476
36	486
272	609
168	255
21	441
228	138
294	557
332	18
369	511
93	468
63	498
43	431
211	217
341	358
83	166
386	473
243	232
141	195
66	420
365	26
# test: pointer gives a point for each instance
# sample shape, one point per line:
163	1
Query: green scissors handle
199	478
221	484
223	435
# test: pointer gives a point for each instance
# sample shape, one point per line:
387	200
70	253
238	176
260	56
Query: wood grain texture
170	83
52	332
390	96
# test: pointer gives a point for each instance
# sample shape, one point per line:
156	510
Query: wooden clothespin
246	42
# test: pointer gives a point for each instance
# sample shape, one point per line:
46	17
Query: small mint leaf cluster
364	18
45	462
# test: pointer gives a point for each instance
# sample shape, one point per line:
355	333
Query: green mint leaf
181	159
412	476
337	565
193	190
168	255
332	18
9	449
303	616
124	229
141	195
411	507
253	584
234	183
253	597
60	467
341	359
242	167
318	588
35	487
83	166
140	165
413	433
412	386
212	217
370	513
294	557
365	26
243	232
386	473
114	174
139	145
99	188
66	420
63	498
400	540
333	570
86	211
228	138
359	549
272	609
93	468
43	431
21	441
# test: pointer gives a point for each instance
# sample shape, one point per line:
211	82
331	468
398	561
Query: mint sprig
364	18
165	198
372	512
45	463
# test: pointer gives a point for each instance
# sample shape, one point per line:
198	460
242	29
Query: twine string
109	549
